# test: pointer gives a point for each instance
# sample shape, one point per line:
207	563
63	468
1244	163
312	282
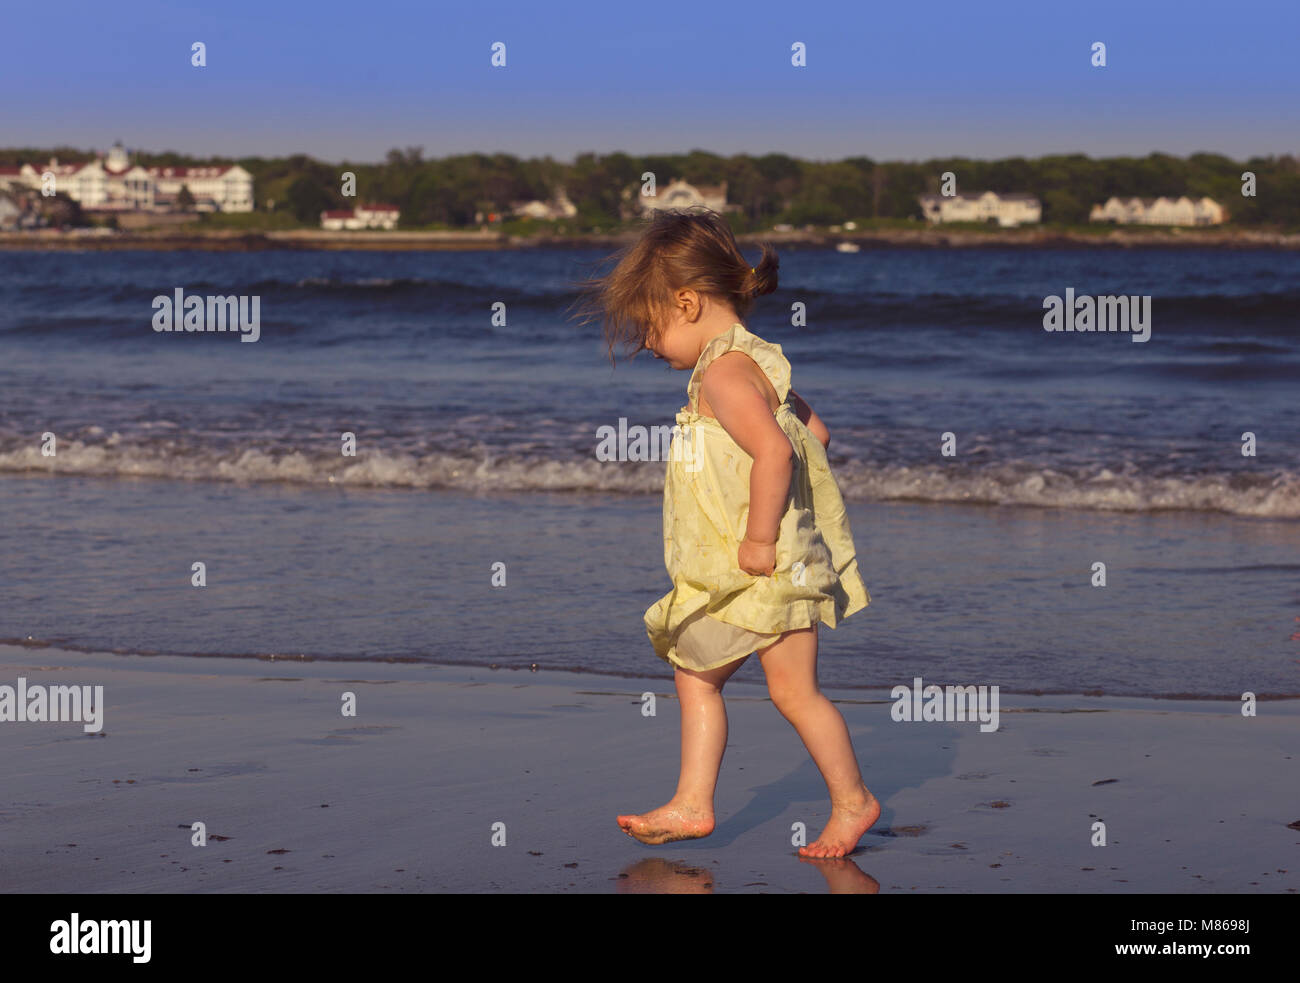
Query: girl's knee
698	683
792	694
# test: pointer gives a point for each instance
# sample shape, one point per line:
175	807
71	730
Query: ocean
476	446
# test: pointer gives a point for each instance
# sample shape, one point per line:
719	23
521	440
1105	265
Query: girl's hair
679	248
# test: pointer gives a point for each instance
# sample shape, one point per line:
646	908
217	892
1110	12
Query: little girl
756	539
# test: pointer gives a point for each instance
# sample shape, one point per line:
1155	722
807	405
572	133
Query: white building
680	194
113	183
1159	211
361	217
1008	210
558	207
223	188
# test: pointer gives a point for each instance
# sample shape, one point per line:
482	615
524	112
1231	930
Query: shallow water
476	446
1195	604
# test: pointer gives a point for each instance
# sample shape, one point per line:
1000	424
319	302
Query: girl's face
675	344
680	333
675	338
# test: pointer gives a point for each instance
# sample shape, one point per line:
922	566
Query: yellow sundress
716	613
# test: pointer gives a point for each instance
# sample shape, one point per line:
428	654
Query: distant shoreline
926	237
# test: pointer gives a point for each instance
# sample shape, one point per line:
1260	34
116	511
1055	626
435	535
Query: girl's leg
689	814
704	733
791	668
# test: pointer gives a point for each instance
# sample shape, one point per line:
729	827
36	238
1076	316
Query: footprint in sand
346	735
917	830
211	771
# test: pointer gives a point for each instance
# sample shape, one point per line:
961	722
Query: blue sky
891	81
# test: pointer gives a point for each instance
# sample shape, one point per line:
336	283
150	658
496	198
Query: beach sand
403	796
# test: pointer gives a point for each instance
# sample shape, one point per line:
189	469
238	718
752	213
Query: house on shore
678	194
361	217
223	188
1159	211
1005	209
112	183
557	207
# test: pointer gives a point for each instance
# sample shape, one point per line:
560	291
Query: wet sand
404	796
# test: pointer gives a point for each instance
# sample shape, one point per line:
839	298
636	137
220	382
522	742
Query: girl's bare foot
669	822
845	828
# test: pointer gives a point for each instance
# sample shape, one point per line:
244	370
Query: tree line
767	189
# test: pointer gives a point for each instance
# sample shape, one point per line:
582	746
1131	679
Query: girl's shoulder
767	355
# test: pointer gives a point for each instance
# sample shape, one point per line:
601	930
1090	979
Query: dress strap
737	338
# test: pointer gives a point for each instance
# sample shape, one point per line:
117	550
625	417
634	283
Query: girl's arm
810	419
739	403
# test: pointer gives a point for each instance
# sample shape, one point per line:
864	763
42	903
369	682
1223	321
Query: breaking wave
1274	495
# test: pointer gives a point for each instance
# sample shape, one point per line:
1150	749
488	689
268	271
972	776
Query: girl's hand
758	559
